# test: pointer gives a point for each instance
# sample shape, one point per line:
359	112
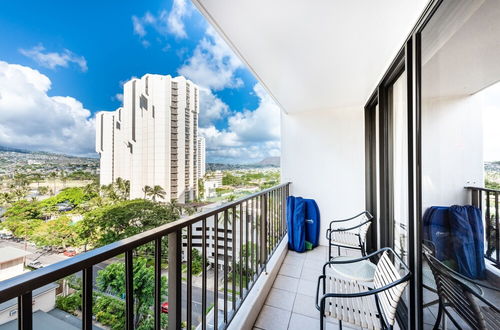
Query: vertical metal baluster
254	239
247	250
258	221
189	276
488	222
268	224
129	290
241	264
226	215
216	272
233	259
87	298
497	231
271	218
263	233
282	195
157	304
204	275
174	280
25	311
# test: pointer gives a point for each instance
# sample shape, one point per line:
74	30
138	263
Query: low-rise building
11	262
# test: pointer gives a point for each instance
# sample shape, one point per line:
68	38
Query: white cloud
175	21
213	64
52	60
251	135
211	108
119	97
31	119
165	23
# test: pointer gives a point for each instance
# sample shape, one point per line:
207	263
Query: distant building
11	262
152	139
202	157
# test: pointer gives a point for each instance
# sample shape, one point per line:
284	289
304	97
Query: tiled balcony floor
291	302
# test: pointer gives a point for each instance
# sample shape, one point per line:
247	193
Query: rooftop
10	253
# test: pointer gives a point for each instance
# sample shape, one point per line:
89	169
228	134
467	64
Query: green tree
146	190
114	222
231	180
157	191
112	280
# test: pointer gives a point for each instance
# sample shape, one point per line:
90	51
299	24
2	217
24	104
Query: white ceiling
315	55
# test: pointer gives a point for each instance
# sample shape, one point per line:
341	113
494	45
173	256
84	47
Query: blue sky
61	63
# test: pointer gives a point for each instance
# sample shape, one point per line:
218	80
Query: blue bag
312	220
476	222
299	225
437	230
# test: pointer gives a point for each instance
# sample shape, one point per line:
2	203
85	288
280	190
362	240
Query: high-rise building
152	139
201	157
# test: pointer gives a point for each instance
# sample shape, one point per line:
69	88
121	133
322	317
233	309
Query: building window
143	102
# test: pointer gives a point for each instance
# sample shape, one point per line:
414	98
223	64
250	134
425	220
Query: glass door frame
409	60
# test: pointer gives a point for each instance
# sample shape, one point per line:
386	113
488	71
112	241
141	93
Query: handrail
482	189
27	282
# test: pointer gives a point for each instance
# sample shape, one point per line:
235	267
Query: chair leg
338	250
322	315
438	318
340	324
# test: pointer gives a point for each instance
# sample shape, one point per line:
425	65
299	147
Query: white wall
452	154
323	156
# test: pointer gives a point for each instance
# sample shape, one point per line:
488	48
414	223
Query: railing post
174	280
25	312
263	232
475	197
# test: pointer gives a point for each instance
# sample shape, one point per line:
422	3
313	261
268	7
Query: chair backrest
363	230
386	273
454	293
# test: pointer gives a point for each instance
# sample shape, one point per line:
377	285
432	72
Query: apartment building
202	157
152	140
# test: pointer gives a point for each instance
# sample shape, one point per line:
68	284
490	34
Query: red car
164	307
69	253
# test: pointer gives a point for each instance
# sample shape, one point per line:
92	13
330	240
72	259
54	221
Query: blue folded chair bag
312	221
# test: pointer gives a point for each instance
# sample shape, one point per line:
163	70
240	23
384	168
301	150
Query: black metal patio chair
457	292
355	303
353	237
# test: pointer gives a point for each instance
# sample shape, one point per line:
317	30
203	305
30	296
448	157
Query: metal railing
488	201
255	225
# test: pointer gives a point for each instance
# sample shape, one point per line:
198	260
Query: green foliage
109	311
110	223
71	303
112	279
197	263
60	232
231	180
491	184
75	196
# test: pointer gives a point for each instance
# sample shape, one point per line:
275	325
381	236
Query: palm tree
146	190
123	187
157	191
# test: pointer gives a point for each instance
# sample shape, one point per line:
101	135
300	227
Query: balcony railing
488	201
256	224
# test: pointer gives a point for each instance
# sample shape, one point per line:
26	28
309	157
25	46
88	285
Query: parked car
164	307
35	264
69	253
